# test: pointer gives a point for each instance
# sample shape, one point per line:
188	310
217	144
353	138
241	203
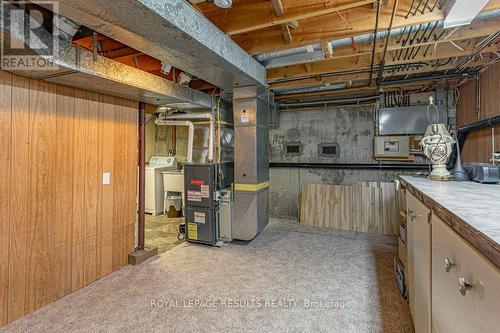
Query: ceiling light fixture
462	12
223	3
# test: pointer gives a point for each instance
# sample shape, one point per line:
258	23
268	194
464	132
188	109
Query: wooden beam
312	82
260	20
287	35
363	62
332	93
324	28
475	30
278	7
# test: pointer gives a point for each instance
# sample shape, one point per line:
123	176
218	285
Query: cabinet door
478	310
419	263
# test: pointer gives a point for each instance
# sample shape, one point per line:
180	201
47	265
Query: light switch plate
106	178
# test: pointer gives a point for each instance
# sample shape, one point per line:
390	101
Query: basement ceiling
325	48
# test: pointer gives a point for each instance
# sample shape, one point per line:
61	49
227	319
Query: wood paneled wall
60	228
365	207
478	146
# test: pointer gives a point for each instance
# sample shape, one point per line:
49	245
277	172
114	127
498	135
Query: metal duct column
251	174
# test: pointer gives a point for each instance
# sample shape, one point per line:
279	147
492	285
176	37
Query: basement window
293	148
328	149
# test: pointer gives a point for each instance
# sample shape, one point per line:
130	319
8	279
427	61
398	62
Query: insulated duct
301	55
77	68
173	32
251	107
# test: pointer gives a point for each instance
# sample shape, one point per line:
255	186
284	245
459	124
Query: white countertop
477	204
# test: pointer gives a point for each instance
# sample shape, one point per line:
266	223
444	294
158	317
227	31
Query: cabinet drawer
478	309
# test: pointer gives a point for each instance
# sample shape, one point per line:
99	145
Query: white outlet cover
106	178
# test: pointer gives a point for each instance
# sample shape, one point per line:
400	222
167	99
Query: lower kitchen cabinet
419	263
465	284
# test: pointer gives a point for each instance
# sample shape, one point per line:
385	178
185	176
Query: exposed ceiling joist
332	93
324	28
364	61
335	79
257	20
476	30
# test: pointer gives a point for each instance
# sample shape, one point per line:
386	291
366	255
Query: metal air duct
77	68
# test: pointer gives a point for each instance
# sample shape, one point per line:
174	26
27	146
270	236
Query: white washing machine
154	182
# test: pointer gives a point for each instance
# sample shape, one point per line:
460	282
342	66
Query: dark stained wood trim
487	246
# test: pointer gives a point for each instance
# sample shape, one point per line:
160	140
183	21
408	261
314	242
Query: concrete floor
161	232
292	278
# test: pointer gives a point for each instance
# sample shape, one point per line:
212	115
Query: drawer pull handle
463	286
448	265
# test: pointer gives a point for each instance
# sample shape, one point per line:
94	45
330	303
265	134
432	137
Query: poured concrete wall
351	128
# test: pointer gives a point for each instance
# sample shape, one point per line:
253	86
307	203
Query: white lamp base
439	172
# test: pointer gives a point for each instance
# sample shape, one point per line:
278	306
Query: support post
142	176
251	107
141	253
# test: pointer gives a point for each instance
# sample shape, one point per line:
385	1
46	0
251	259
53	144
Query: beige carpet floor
291	278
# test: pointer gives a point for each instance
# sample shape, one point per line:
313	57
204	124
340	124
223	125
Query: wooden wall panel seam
19	191
5	167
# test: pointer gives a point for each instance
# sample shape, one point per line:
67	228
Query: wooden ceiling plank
476	30
320	29
260	20
312	82
364	61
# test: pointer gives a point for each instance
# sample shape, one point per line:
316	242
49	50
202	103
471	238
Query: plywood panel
60	228
92	187
79	183
365	206
42	130
19	190
479	145
107	110
5	143
64	189
357	208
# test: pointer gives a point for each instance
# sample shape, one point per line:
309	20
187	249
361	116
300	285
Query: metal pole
142	174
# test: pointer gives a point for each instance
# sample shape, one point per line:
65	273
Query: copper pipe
142	176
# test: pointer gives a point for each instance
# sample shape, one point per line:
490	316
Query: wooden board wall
478	146
365	207
60	228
